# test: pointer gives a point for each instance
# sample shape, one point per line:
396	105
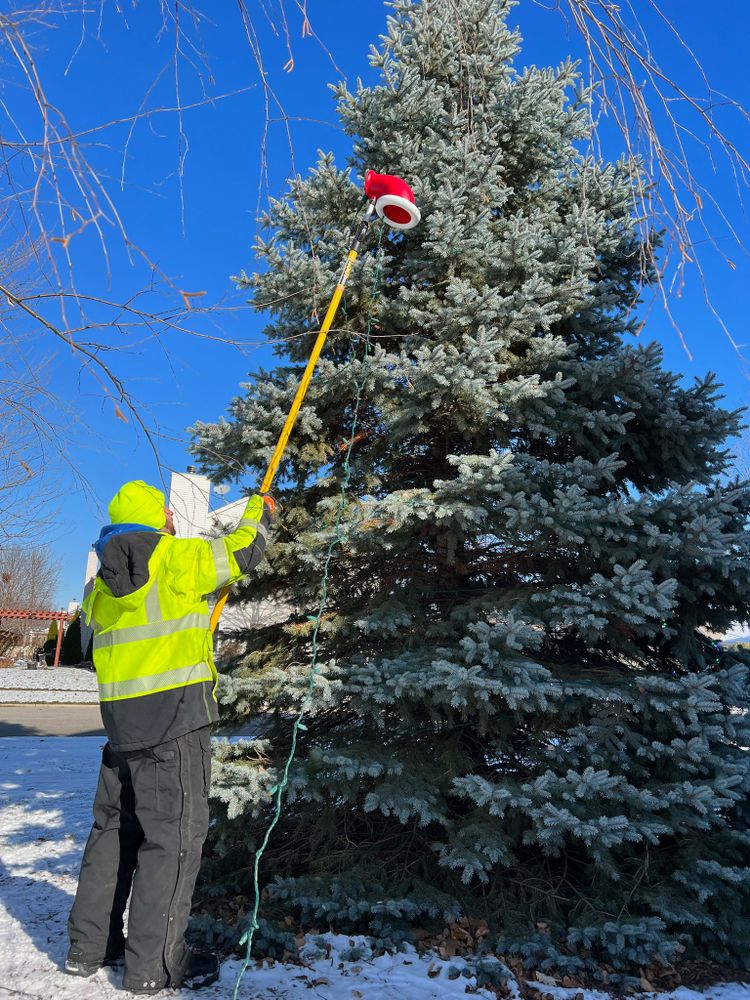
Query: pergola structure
20	614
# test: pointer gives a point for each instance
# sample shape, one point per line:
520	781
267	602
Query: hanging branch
56	194
657	117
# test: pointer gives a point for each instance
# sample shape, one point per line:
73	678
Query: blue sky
183	379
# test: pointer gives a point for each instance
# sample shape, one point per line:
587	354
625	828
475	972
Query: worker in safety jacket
153	654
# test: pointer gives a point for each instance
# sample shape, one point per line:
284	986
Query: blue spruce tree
517	715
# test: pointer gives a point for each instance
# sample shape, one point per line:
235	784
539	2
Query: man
153	653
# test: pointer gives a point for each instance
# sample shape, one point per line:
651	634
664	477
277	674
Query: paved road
50	720
63	720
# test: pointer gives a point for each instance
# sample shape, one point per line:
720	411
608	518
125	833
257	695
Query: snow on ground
50	685
46	789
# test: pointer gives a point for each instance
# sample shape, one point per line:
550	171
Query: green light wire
338	537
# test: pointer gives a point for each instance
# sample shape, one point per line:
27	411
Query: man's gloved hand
270	503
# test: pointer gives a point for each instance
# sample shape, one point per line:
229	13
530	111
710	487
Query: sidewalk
62	685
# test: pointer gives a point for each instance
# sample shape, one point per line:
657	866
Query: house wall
189	496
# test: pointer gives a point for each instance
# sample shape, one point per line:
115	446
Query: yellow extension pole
273	465
302	388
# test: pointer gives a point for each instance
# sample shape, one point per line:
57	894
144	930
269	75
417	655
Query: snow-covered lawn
46	788
51	686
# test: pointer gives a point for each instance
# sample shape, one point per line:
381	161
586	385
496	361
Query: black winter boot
199	970
79	965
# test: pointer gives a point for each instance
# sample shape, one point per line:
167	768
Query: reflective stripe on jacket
153	648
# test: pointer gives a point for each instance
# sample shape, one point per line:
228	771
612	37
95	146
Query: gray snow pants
150	821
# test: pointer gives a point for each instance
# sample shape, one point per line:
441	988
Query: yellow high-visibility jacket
153	648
